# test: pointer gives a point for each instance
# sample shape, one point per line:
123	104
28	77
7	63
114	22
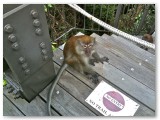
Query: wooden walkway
131	70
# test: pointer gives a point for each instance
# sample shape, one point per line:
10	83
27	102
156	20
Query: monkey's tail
64	66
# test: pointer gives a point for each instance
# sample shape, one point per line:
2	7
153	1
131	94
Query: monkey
79	53
148	38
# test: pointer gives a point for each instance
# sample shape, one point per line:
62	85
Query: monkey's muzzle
87	52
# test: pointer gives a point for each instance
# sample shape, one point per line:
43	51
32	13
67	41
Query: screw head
12	38
132	69
24	66
21	59
146	60
34	13
44	51
15	46
27	71
45	57
123	79
57	92
8	28
15	92
42	45
38	31
36	23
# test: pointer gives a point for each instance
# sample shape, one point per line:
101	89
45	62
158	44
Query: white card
111	102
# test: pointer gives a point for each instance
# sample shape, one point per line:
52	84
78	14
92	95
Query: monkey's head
148	38
86	45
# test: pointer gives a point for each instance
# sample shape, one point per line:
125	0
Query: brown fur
148	38
71	44
80	53
71	57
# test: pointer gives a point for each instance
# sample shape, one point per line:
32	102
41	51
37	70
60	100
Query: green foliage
48	6
150	20
53	47
61	18
104	12
4	82
129	20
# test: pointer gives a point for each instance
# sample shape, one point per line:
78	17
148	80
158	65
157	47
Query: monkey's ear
94	40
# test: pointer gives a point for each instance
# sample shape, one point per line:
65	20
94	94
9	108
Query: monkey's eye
90	45
85	46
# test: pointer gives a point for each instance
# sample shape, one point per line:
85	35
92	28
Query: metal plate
27	46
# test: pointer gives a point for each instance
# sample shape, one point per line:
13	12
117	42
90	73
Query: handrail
112	29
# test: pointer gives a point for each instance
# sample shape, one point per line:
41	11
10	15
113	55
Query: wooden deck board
134	49
73	87
112	77
65	103
35	108
150	50
10	109
128	52
140	73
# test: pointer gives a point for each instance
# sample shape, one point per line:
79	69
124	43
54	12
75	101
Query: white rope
112	29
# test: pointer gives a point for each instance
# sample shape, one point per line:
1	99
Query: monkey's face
86	48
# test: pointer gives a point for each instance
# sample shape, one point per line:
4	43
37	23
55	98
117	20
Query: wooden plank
9	109
68	106
132	48
112	74
65	103
127	65
145	110
134	88
36	107
76	85
150	50
127	52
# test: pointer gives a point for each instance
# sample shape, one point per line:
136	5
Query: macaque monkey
79	53
148	38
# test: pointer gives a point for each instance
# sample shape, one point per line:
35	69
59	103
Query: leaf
45	8
4	82
54	43
53	48
50	5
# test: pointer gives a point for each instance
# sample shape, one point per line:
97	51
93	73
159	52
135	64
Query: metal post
152	28
142	20
93	15
118	13
84	23
100	16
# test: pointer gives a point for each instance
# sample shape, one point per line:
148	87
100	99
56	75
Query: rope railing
112	29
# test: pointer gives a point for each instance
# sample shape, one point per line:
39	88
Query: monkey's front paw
92	61
105	59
